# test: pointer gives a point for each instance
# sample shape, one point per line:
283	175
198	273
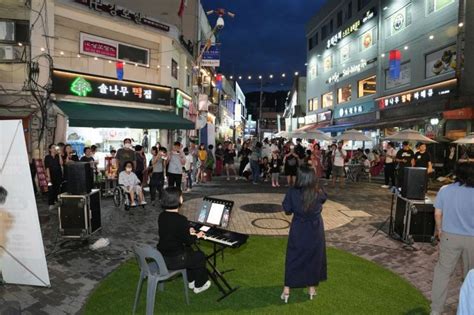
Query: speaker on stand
80	178
415	180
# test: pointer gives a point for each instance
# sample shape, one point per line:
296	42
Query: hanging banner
22	257
211	57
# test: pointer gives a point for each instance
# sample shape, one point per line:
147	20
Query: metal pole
260	110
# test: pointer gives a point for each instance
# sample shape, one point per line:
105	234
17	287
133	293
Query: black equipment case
414	220
79	215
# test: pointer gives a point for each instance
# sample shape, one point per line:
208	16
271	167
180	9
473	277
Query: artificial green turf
354	286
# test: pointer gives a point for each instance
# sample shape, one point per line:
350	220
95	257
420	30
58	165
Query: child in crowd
275	166
265	169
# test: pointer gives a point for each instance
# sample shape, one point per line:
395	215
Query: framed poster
440	62
345	51
327	63
367	39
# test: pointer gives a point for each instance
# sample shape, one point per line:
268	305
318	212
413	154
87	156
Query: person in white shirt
338	159
130	181
389	168
266	149
188	168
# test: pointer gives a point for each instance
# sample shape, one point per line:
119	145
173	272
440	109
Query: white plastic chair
152	266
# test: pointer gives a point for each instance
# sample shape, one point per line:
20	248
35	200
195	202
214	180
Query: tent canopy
101	116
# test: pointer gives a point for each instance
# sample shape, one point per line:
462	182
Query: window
315	40
174	69
345	53
344	94
331	27
339	19
398	21
313	104
349	10
310	43
133	54
367	39
324	32
436	5
327	63
367	86
12	33
361	4
188	80
328	99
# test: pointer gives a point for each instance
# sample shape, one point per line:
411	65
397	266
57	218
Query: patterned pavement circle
270	223
267	210
262	207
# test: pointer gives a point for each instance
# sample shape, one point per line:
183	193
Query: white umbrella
282	134
315	134
466	140
353	135
410	135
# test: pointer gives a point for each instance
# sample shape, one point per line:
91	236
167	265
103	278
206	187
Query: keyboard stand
217	276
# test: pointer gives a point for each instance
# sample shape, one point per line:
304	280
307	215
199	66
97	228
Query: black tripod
395	193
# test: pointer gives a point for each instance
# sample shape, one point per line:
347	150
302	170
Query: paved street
351	217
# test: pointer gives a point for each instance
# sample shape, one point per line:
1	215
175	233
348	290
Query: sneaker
191	285
203	288
143	203
385	186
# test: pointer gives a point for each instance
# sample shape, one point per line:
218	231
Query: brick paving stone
75	270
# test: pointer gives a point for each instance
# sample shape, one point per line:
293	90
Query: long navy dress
306	252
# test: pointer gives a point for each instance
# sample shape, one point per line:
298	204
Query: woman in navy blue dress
305	264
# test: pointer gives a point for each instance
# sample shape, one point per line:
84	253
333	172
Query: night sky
265	37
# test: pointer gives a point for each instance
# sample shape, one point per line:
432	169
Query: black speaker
414	220
80	178
414	184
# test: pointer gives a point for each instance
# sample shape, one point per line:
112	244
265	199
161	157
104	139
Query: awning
336	128
101	116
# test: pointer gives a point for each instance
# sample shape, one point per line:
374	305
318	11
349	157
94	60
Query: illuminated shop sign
415	95
324	116
352	110
182	99
351	29
115	10
336	76
83	85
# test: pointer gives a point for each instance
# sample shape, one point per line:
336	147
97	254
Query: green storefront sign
343	111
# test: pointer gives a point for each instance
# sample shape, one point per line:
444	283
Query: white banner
23	261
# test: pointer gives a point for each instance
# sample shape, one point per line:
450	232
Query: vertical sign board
211	57
23	261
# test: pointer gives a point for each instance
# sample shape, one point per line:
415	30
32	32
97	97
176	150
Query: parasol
353	135
410	135
466	140
282	134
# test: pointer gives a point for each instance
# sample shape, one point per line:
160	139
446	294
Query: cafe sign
336	76
84	85
354	27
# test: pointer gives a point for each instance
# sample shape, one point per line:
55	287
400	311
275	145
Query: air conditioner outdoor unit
7	53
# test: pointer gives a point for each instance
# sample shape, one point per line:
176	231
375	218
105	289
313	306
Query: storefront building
240	113
349	45
122	53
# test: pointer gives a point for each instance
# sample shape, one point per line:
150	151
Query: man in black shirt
299	149
423	158
405	158
54	174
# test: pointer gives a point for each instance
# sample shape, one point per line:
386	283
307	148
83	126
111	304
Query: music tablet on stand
215	212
